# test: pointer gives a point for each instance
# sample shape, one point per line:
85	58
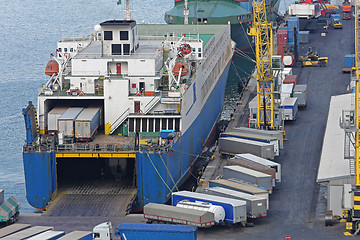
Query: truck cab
103	231
335	21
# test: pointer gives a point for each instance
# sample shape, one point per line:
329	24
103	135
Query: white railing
119	121
151	104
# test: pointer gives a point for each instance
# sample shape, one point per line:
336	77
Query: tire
322	63
298	64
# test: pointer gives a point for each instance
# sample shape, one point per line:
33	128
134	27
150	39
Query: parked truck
155	212
87	123
256	207
346	10
235	210
335	21
66	123
255	137
249	175
141	231
9	210
233	146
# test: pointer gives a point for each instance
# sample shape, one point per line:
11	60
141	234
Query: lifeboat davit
51	68
184	49
181	64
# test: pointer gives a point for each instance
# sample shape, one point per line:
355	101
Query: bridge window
126	49
116	49
124	35
108	35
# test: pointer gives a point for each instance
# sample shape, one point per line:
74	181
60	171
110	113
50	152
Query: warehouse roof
332	163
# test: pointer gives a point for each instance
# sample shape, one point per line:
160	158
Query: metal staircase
119	121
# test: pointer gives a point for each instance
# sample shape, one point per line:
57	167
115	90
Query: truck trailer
172	214
274	165
241	187
235	210
48	235
141	231
66	122
52	118
273	133
255	137
87	123
300	94
248	175
255	206
79	235
233	146
290	108
27	233
9	210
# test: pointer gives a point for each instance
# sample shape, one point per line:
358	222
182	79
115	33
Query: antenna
127	9
186	13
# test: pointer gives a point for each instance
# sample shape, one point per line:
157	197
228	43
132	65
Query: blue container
140	231
246	5
293	22
291	38
349	60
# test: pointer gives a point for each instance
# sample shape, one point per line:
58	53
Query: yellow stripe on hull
95	155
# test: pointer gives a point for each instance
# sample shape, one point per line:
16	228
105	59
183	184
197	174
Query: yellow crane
353	215
262	33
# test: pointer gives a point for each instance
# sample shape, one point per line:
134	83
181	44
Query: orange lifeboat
51	68
184	49
180	64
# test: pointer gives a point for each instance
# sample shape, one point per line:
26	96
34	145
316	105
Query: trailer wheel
322	63
298	64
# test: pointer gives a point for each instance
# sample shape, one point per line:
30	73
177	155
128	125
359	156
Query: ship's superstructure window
124	35
126	49
108	35
65	49
71	50
116	49
59	49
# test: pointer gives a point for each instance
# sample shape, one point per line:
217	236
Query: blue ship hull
158	174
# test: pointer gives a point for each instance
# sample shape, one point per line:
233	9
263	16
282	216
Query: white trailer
49	235
300	94
87	123
66	122
52	118
305	10
27	233
290	108
263	161
255	206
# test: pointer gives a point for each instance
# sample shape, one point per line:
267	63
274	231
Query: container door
136	106
118	68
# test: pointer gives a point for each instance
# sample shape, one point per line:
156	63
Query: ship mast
128	10
186	13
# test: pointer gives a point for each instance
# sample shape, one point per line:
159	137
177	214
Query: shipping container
246	5
13	228
290	79
78	235
235	210
87	123
304	36
248	175
49	235
52	118
274	165
241	187
349	60
274	133
300	94
306	11
218	211
290	108
293	22
281	49
142	231
255	137
27	233
255	206
233	146
9	210
286	91
281	37
243	162
173	214
66	122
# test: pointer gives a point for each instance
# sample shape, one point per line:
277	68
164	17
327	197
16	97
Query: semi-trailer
241	187
243	162
141	231
255	206
235	210
52	118
87	123
255	137
172	214
27	233
289	107
300	94
80	235
248	175
9	210
273	133
233	146
263	161
5	231
48	235
66	122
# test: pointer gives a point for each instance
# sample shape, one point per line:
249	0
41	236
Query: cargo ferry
207	12
124	115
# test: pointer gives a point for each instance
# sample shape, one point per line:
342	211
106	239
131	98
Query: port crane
351	124
262	33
